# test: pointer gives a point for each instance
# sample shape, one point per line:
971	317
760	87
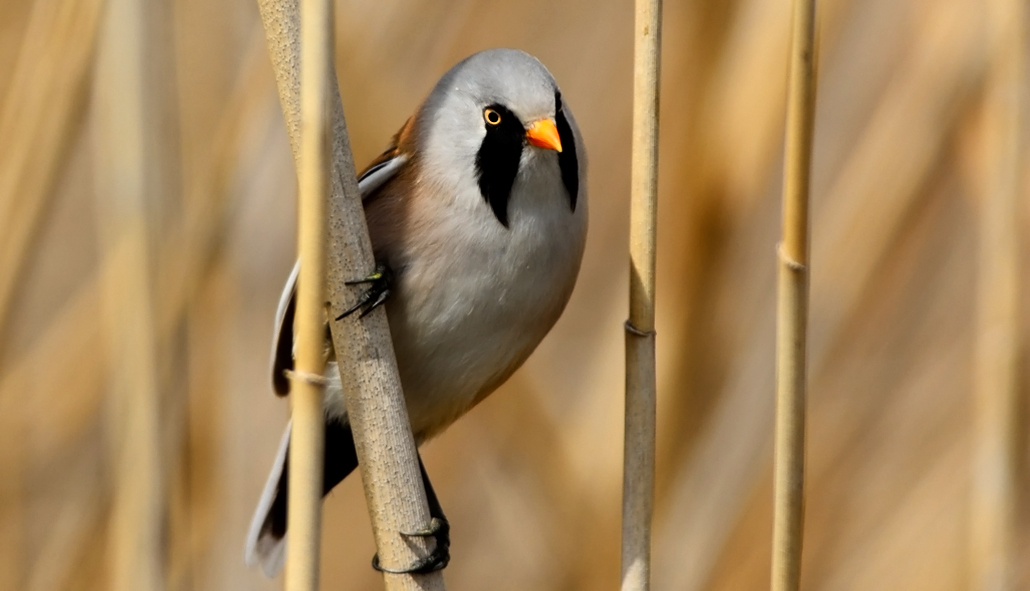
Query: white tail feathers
262	547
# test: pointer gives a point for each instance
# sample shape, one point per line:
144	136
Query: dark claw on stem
375	295
437	559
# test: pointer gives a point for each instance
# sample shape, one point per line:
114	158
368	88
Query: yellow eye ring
492	117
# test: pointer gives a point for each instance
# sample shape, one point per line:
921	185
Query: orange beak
543	134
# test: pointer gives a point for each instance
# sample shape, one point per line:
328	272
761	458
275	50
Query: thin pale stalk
42	109
997	426
307	438
14	461
122	169
792	308
639	447
368	368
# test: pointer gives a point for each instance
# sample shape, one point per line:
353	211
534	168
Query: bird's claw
375	295
438	529
375	276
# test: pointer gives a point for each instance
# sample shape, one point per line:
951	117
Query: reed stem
998	428
639	447
792	307
122	169
368	368
39	118
307	438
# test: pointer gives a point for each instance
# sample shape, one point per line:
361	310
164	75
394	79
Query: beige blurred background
531	479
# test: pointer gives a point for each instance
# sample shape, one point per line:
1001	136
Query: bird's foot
379	289
438	529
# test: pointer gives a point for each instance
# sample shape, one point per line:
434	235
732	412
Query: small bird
477	214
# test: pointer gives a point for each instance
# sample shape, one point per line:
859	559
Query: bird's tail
266	540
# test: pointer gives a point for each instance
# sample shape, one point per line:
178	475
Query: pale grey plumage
471	298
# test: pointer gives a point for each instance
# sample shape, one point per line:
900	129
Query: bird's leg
379	289
438	529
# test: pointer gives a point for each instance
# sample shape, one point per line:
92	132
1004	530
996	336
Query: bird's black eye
492	117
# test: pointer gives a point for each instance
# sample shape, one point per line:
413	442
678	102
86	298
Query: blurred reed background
160	303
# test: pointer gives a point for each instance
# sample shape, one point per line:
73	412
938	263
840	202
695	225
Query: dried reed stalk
14	464
41	111
997	425
307	436
368	369
54	420
122	168
867	210
76	526
194	266
184	259
639	450
792	307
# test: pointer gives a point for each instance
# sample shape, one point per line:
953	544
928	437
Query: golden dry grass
531	479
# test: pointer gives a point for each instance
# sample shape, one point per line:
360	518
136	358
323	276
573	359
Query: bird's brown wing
401	140
385	166
371	181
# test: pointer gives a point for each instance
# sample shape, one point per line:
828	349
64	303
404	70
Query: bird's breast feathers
473	298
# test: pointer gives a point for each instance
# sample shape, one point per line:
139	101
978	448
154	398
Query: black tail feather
340	460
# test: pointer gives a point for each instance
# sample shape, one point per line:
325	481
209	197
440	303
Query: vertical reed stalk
122	170
14	461
307	439
639	450
792	307
39	117
368	368
997	433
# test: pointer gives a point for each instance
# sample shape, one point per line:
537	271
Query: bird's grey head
489	118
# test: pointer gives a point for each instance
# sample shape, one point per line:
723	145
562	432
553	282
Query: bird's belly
455	348
460	330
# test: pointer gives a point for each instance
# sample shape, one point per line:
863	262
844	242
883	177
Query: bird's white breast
472	298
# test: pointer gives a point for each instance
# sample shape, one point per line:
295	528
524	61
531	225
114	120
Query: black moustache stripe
567	160
497	162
